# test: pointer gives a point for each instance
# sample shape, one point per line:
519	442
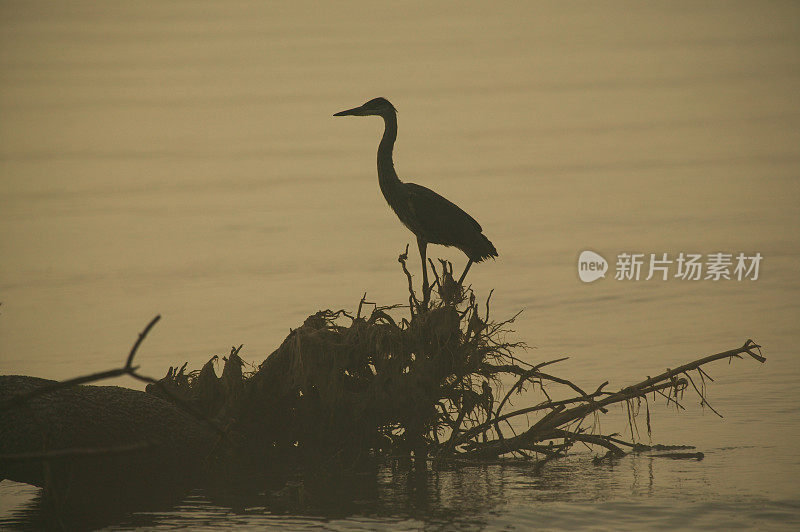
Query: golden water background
181	158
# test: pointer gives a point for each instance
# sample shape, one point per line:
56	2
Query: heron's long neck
387	177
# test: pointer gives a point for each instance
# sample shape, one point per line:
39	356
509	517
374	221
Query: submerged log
91	437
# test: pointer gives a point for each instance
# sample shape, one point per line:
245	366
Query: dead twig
125	370
128	369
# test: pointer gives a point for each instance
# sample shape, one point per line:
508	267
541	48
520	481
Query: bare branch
142	335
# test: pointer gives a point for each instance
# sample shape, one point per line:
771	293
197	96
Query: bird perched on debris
432	218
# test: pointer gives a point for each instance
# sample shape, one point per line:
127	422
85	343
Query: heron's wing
438	212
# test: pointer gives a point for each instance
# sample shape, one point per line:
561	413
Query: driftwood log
90	437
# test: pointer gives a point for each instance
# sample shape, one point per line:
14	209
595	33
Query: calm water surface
181	159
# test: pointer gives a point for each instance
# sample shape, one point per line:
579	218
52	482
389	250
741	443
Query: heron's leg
463	275
423	248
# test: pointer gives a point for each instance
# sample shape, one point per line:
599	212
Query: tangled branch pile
344	387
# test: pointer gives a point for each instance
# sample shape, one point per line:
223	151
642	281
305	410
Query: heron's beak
355	111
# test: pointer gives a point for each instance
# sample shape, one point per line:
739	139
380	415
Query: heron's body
432	218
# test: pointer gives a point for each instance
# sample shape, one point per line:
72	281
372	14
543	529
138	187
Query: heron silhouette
432	218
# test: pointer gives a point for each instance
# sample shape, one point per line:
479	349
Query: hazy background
181	158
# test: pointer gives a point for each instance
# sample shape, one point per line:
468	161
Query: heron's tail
482	249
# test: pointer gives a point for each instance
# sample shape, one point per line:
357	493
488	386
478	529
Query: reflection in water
463	495
90	511
470	497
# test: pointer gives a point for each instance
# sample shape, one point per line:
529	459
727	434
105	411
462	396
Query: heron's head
376	107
